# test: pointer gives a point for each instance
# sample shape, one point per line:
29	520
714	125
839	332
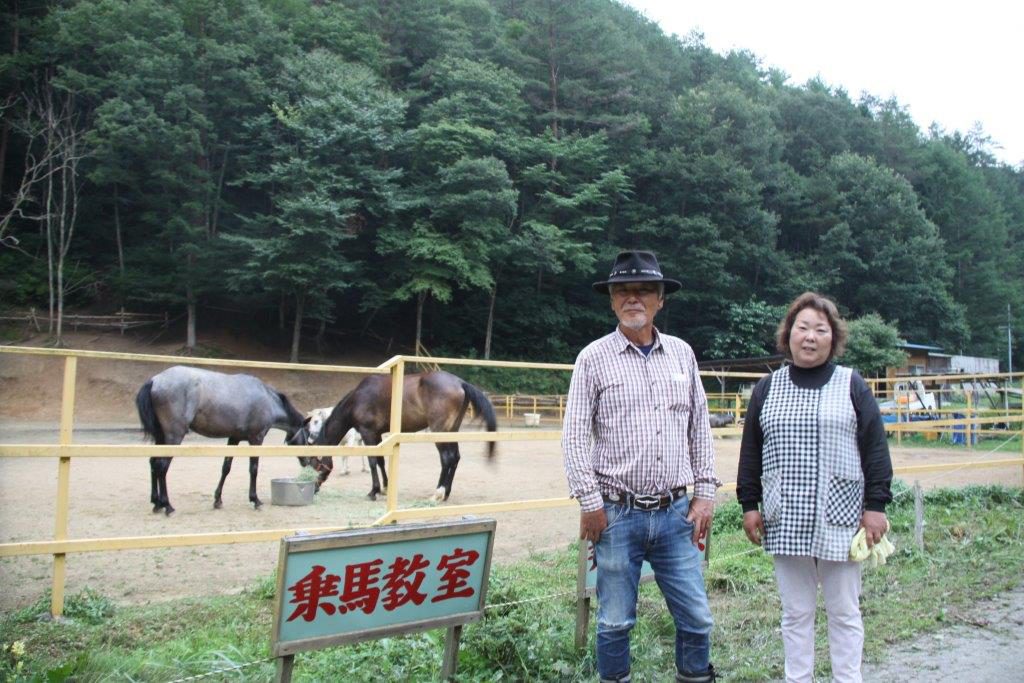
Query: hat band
635	271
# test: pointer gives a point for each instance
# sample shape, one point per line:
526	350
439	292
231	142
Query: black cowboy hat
636	266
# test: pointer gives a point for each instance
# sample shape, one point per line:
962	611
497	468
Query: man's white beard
635	323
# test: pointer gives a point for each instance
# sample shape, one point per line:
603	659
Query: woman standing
814	456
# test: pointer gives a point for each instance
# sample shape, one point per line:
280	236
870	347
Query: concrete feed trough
291	491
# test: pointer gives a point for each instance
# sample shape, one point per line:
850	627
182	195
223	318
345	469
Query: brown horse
434	400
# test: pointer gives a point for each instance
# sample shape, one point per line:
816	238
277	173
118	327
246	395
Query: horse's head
315	423
299	438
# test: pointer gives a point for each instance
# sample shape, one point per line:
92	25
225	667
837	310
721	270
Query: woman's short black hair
823	305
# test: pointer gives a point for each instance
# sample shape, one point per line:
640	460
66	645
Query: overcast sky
954	63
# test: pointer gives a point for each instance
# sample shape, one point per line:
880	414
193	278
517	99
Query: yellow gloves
876	554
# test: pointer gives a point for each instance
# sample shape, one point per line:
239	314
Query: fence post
899	419
60	532
736	414
283	668
450	659
561	407
707	544
969	427
582	598
397	386
918	516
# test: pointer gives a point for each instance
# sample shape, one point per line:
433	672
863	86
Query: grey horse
238	407
721	420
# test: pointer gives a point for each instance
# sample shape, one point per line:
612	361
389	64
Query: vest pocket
844	501
771	497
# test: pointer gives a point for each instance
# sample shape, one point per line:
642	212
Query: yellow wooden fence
65	451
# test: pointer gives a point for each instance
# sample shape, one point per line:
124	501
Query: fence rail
122	320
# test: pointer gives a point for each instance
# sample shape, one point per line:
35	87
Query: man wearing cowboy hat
635	437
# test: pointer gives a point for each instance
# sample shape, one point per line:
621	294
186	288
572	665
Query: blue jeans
664	539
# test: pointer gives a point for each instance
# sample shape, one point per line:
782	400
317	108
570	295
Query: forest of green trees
378	171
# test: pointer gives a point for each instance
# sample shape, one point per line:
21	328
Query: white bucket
291	491
531	419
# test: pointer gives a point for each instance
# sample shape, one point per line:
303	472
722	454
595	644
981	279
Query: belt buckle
647	502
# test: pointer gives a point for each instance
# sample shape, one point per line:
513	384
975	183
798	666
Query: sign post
586	582
350	586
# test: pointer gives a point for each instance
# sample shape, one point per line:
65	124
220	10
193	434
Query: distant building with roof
924	359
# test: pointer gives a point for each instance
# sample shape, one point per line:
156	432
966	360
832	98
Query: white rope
236	667
525	600
946	473
713	560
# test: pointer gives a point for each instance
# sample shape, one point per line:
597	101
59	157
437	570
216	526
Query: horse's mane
339	415
294	416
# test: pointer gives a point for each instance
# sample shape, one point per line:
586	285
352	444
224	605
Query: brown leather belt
645	501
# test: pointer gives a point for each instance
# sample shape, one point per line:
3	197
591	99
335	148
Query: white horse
317	417
315	420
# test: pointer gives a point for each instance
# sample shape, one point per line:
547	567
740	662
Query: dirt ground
984	646
110	496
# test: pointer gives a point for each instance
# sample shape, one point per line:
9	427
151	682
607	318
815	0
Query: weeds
974	548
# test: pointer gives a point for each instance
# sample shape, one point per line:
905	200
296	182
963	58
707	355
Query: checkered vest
812	481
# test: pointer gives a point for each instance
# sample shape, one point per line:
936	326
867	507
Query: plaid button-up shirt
637	423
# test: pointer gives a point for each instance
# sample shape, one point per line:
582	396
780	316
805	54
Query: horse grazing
430	400
307	435
239	407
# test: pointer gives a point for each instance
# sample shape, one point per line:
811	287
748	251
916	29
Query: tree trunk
190	304
300	304
280	313
217	195
553	80
490	322
61	213
5	129
320	332
49	244
421	299
120	243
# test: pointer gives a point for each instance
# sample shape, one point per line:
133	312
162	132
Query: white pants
798	577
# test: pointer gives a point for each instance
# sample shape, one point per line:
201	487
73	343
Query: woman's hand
875	525
754	526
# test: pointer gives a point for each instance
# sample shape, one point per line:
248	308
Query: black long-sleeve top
871	440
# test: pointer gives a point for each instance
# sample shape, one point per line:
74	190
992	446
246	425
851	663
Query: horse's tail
484	408
147	415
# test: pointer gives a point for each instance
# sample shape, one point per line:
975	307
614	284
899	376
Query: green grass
974	548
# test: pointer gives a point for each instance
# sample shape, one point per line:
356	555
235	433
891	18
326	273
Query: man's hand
754	526
875	525
592	524
700	514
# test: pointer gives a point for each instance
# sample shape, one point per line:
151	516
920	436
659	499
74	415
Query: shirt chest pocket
677	394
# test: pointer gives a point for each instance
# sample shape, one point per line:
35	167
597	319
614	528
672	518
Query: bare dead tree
49	191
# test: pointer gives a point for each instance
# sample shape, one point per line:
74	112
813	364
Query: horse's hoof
257	504
371	496
168	510
157	508
218	504
437	497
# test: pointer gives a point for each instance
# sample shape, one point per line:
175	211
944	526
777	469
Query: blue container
959	435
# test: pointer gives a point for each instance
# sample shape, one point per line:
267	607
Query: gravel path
984	645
